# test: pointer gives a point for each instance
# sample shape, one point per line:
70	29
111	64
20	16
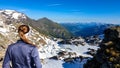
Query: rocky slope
48	27
10	20
108	56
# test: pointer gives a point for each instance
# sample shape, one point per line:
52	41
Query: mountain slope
48	27
9	34
43	25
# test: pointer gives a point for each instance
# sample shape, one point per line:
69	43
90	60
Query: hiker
22	54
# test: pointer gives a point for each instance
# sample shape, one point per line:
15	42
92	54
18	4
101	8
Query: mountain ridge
86	29
44	25
48	27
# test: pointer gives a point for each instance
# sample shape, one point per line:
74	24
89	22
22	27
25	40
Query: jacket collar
20	40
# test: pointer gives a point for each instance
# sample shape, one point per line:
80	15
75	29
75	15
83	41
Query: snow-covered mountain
9	16
49	50
9	31
43	25
12	14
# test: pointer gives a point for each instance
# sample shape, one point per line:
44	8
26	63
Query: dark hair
22	30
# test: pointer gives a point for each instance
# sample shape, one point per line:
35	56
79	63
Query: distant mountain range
86	29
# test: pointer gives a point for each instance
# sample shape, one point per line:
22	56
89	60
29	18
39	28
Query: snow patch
3	30
80	50
49	63
49	50
12	14
16	15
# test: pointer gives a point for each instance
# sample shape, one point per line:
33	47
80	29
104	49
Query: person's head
22	30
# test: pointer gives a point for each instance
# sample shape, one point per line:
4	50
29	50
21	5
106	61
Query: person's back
22	55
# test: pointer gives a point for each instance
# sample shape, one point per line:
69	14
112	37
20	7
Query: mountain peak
12	14
45	19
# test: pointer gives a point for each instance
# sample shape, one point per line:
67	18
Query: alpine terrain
56	48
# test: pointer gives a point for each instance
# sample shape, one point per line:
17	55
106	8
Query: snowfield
49	63
79	50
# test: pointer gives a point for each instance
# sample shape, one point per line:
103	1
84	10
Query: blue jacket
22	55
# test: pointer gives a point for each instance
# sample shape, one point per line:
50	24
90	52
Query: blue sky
107	11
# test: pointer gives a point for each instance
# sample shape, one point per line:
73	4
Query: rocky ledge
108	55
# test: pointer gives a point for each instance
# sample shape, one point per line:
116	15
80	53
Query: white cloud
54	4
